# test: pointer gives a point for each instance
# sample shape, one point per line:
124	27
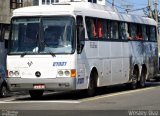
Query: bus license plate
39	86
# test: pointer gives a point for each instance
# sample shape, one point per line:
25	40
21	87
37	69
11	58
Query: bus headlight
66	73
13	74
60	73
10	73
16	73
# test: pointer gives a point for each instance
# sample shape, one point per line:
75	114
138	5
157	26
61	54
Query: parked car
3	83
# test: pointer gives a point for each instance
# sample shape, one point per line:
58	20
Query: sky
133	5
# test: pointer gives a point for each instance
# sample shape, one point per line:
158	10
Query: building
7	8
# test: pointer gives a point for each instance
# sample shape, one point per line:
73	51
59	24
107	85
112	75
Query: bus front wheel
36	94
92	84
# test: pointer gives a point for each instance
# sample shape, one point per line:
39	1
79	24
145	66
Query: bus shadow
79	95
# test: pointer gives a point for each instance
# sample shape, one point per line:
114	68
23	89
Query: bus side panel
111	59
144	53
120	62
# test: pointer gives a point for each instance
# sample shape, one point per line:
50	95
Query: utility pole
156	14
149	8
112	3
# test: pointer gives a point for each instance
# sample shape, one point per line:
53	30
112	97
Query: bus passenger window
139	33
123	31
114	30
128	31
139	36
105	29
133	30
152	33
144	32
91	27
100	30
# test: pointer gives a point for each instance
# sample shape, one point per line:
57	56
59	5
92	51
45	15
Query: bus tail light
73	73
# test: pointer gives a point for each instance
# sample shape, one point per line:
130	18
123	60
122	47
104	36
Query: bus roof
83	8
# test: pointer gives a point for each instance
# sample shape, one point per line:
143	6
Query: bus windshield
41	35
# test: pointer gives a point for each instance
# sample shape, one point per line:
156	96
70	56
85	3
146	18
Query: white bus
79	45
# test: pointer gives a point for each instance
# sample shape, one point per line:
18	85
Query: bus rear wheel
142	81
134	80
36	94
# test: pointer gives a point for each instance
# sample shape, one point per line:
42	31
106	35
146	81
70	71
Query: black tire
92	85
3	91
36	94
134	80
142	81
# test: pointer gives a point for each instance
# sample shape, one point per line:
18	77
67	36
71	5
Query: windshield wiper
51	53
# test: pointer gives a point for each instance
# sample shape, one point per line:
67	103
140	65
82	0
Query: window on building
43	2
52	1
4	32
92	1
16	4
48	2
35	2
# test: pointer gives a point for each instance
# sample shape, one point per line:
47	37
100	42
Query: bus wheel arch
143	76
92	82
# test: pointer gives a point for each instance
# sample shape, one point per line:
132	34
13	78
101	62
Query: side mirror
80	39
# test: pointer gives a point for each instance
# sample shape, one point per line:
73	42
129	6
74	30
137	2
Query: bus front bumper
56	84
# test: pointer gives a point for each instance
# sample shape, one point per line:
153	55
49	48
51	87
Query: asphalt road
113	100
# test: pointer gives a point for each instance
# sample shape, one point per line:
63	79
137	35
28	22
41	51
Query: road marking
57	101
13	100
117	94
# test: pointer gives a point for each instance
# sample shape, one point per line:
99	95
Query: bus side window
144	32
102	28
139	32
128	29
114	32
123	30
133	30
105	29
152	31
91	27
